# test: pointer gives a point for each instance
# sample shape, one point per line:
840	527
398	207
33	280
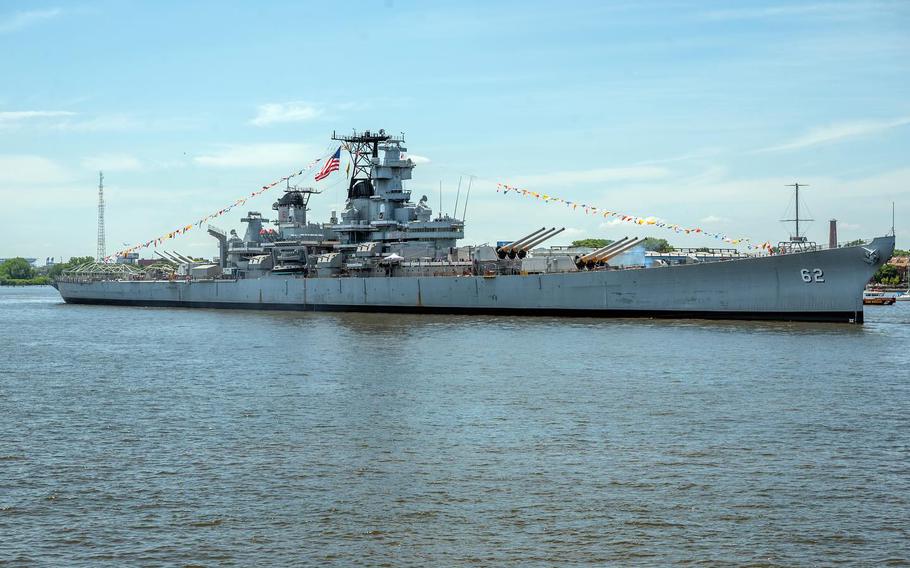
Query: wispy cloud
112	163
27	169
255	155
713	219
838	132
418	159
16	118
295	111
67	121
830	10
598	175
24	19
704	153
102	123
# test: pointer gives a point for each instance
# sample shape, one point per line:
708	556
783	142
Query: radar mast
797	241
363	147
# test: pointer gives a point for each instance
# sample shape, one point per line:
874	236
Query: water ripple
204	437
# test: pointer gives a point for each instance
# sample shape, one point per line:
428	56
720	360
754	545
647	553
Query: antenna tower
796	237
101	246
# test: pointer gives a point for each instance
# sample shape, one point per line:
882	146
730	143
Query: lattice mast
102	249
796	219
362	147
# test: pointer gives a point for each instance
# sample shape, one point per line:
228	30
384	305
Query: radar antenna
305	192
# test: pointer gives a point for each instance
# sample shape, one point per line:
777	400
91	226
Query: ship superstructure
386	253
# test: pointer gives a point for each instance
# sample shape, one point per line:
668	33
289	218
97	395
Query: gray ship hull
824	285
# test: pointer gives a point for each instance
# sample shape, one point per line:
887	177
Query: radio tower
101	247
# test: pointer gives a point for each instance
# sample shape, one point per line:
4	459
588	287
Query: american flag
330	166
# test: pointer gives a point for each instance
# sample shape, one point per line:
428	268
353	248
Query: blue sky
694	112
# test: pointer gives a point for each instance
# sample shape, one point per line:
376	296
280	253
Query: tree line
18	272
649	244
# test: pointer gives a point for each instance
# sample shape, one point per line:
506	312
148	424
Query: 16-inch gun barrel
620	249
523	250
591	256
506	249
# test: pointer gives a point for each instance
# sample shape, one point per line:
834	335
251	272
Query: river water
132	436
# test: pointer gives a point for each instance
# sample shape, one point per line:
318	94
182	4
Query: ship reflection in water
201	437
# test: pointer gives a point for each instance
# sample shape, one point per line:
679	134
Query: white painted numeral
814	275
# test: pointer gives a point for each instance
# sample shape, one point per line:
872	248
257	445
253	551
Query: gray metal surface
818	285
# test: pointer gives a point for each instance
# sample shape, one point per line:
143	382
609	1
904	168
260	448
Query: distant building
902	264
128	258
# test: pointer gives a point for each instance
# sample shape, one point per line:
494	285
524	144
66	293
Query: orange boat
877	299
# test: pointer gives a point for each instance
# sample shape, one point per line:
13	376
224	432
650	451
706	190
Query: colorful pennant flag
635	219
198	224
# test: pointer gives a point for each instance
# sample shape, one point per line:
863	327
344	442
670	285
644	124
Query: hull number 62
814	275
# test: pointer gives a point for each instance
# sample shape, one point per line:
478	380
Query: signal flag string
506	189
198	224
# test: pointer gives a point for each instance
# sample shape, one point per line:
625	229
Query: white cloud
418	159
703	153
296	111
829	10
15	118
112	163
105	123
837	132
599	175
710	219
256	155
24	19
66	121
25	169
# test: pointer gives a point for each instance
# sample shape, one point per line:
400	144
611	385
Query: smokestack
832	233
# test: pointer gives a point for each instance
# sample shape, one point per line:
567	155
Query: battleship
388	254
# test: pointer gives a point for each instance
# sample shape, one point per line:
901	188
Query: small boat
872	298
905	297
